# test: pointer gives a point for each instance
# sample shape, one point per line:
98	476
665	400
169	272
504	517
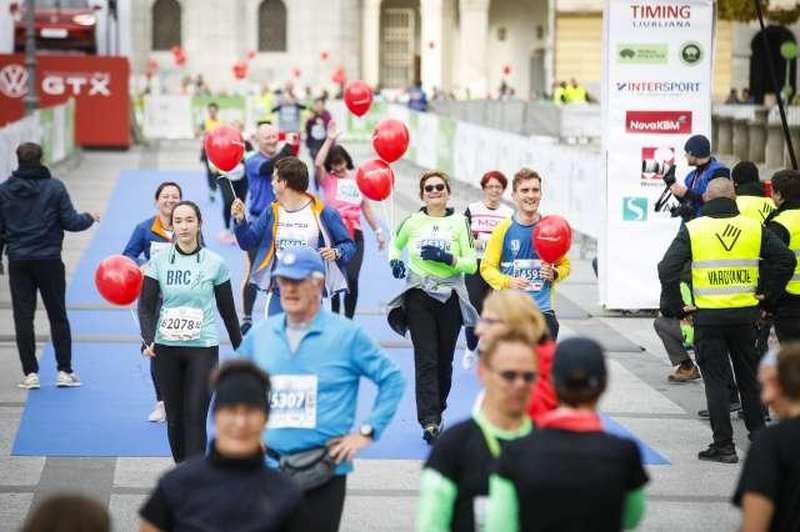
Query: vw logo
13	81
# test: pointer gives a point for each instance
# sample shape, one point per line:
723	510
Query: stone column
775	141
725	135
371	42
474	36
741	138
432	44
758	136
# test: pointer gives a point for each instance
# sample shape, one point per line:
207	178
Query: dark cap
698	145
579	364
240	382
745	172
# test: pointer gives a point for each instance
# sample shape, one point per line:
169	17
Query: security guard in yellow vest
735	264
750	198
785	223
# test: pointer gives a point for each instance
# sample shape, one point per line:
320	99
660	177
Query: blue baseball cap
299	263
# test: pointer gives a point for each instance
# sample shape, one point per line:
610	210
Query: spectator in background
732	98
289	110
560	93
769	483
209	124
317	127
68	513
35	210
746	97
576	93
417	99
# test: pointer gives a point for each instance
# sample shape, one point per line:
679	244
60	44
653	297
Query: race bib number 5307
293	402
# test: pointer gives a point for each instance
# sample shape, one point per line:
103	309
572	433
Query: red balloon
224	147
358	97
324	55
552	237
240	70
375	179
118	279
339	76
251	54
390	139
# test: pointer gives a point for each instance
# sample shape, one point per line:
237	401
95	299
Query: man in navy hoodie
35	210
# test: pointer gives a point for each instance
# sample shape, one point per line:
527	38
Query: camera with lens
684	208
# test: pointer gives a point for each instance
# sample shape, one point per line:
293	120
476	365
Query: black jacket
788	304
775	269
35	210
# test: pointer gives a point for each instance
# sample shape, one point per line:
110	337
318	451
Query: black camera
683	209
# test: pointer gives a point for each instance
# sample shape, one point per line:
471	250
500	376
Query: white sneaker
30	382
67	380
158	415
469	359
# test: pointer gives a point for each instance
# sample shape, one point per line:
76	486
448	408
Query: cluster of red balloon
178	55
552	238
118	279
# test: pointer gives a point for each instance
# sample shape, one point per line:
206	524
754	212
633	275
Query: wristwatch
368	431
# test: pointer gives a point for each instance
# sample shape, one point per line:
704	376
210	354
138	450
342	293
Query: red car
61	25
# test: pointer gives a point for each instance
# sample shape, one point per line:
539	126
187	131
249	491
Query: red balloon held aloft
240	70
506	70
296	72
358	97
224	147
390	139
339	76
118	279
251	54
552	237
375	179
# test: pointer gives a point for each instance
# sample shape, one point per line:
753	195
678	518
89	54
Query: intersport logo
658	122
658	87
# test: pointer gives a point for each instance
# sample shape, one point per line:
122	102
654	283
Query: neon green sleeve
437	497
502	511
399	240
633	511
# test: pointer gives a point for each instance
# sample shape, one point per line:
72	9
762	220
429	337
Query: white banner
656	94
168	117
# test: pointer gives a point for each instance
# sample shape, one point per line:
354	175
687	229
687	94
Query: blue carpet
107	416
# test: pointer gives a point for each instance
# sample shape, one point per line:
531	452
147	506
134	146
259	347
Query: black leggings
240	187
478	289
351	271
322	507
183	374
434	330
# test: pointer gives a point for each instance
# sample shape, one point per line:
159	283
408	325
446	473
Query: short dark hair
213	105
524	174
787	182
166	184
68	513
494	174
241	366
789	370
336	155
294	172
29	154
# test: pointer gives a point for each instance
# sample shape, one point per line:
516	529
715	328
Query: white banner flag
656	94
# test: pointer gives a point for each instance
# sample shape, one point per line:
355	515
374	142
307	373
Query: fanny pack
309	469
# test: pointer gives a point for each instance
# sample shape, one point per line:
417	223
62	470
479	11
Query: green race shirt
450	233
187	282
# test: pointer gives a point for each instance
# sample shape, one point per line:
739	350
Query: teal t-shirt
188	312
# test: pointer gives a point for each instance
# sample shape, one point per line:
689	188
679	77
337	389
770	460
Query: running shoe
30	382
67	380
158	415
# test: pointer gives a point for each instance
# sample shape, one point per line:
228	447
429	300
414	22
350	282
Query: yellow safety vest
725	255
755	207
791	221
210	125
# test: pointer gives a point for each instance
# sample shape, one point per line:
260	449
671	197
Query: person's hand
678	190
548	272
381	240
332	132
345	448
518	283
95	216
237	210
328	254
436	254
688	309
150	351
398	268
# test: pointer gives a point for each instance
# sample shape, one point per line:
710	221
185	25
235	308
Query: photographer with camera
706	168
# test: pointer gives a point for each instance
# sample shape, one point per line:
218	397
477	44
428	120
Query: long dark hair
196	209
338	153
166	184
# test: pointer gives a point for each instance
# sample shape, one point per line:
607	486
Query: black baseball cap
579	364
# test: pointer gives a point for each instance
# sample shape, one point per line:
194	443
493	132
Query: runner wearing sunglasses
434	303
455	481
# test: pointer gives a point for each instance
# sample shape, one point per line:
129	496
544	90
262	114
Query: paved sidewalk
686	495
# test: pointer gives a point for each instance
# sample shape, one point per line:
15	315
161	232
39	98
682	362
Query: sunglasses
438	187
510	376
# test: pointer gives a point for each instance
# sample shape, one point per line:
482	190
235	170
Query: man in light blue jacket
315	360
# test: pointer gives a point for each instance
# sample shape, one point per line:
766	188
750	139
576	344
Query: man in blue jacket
35	210
315	360
706	168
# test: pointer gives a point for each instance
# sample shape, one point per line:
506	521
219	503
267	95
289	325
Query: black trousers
25	277
352	272
240	187
250	291
787	327
713	345
210	175
434	330
183	375
322	507
552	324
478	289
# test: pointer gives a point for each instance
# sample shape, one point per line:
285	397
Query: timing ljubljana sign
99	85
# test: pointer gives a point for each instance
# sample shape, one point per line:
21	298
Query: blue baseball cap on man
299	263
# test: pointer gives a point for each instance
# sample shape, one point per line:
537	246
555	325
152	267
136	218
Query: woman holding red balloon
434	304
340	191
182	336
149	238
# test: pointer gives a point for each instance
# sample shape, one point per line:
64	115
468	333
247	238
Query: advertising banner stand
656	94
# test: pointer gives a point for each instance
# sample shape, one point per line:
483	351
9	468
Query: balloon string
230	184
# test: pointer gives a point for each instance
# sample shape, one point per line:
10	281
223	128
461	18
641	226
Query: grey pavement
687	495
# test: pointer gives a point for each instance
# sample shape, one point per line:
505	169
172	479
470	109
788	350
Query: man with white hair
736	265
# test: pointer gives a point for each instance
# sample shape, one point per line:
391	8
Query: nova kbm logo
634	209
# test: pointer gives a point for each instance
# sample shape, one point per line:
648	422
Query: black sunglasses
510	376
438	187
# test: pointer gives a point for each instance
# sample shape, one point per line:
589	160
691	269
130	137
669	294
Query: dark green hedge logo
643	54
691	53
